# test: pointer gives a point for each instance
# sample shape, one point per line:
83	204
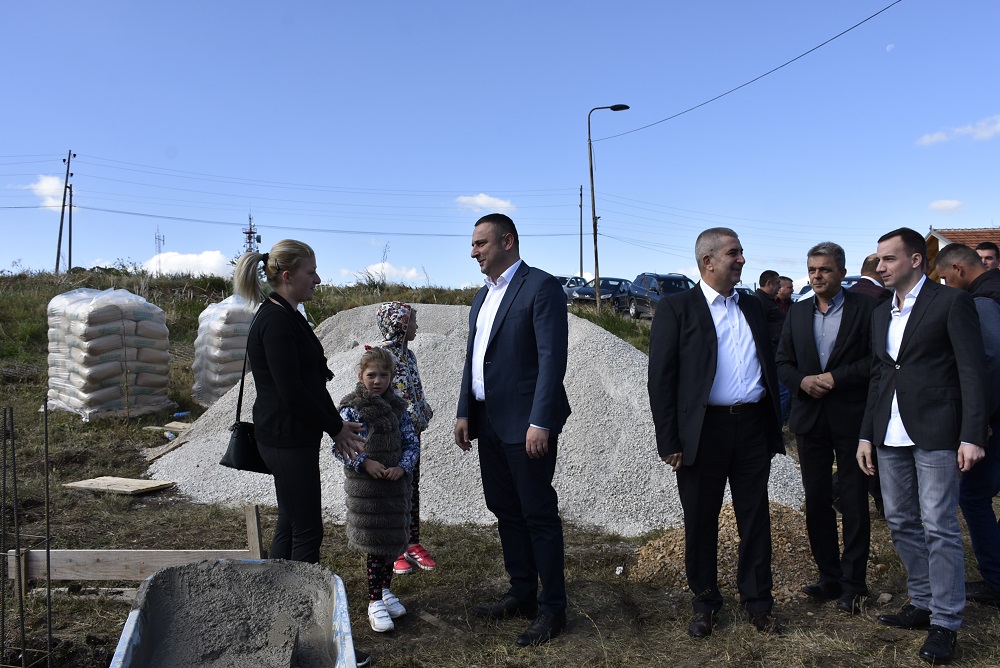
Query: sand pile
608	474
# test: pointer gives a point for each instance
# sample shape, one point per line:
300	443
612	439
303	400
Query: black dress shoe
507	606
982	592
852	604
547	625
765	622
362	659
908	617
701	625
939	648
822	591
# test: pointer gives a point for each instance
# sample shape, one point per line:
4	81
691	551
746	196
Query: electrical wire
755	79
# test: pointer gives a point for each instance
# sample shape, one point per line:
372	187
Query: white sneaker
392	604
379	617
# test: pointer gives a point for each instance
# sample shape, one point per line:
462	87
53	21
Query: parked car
571	283
648	288
613	291
744	290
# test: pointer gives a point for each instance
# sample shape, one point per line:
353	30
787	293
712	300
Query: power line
306	229
758	78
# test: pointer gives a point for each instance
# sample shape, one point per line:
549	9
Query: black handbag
242	453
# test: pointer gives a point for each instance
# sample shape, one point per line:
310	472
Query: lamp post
593	209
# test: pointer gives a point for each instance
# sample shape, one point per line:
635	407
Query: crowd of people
887	381
884	385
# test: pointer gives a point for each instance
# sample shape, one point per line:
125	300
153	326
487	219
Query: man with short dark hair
927	415
767	291
960	267
989	253
784	297
713	391
825	358
512	400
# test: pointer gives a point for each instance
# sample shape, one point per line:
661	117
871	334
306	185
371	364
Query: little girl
377	482
398	323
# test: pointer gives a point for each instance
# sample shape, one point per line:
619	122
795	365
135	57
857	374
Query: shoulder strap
243	376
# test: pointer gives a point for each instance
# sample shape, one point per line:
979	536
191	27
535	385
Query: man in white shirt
713	392
926	414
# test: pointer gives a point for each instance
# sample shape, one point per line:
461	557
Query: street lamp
593	210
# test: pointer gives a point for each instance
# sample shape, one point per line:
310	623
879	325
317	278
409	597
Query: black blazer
849	364
683	352
939	375
525	360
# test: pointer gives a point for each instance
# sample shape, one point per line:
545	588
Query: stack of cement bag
219	348
108	354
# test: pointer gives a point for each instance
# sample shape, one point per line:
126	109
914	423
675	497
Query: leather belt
735	409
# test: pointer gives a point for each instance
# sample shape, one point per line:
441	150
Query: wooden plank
110	564
120	485
152	454
253	531
179	427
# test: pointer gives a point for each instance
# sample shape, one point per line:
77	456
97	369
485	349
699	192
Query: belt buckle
736	409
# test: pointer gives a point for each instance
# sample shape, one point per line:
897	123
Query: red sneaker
402	566
418	555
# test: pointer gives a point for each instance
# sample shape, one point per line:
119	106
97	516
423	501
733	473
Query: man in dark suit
871	283
770	284
713	391
825	357
962	268
513	401
926	414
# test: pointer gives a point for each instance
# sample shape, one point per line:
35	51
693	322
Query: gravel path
608	475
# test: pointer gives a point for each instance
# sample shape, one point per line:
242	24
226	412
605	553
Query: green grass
613	620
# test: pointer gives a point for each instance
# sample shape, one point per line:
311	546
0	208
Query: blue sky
382	131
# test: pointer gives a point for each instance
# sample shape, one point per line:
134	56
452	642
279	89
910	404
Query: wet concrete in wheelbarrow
234	614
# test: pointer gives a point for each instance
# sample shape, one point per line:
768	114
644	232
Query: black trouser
733	448
519	492
299	532
817	450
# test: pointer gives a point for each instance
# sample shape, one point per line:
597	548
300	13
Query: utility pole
160	239
69	257
581	232
69	156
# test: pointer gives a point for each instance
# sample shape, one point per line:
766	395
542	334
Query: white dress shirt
484	325
895	434
738	376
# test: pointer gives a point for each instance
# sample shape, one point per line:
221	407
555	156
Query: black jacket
293	407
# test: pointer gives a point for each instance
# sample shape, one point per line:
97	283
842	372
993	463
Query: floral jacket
393	319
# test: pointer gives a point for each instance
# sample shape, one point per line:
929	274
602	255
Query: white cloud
392	274
890	47
945	205
49	188
981	130
484	202
933	138
208	263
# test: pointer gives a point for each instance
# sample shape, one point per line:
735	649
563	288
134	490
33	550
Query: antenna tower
252	238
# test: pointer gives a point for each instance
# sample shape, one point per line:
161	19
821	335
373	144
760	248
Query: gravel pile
608	475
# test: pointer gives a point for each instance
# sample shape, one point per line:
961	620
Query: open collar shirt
826	326
895	435
738	376
484	325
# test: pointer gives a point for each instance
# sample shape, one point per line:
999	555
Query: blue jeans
920	490
977	489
